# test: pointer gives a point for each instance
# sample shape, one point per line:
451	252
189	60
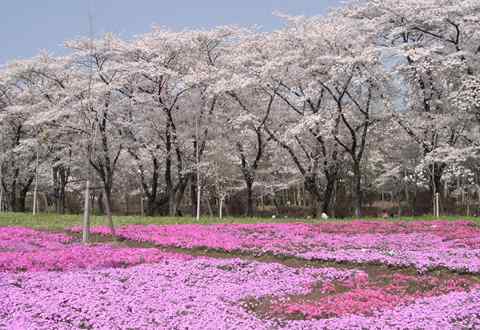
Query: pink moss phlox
201	293
363	297
81	257
424	244
23	249
16	239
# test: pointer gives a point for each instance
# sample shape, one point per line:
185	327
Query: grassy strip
52	221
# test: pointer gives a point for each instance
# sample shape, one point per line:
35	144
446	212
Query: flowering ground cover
202	293
19	239
361	295
50	281
206	293
423	245
23	249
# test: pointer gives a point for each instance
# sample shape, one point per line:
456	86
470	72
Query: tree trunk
180	194
171	197
209	206
275	202
334	200
13	194
20	201
399	203
151	205
357	190
101	203
310	184
60	179
250	206
436	173
61	200
315	205
193	195
12	200
107	198
328	193
21	206
64	174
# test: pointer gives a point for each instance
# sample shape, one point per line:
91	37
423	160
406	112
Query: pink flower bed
357	295
207	293
49	282
204	293
82	257
18	239
201	293
23	249
424	245
452	311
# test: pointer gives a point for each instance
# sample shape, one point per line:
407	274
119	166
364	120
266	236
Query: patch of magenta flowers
205	293
23	249
48	281
202	293
360	295
18	239
423	245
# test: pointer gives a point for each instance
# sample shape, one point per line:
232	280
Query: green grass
60	221
53	221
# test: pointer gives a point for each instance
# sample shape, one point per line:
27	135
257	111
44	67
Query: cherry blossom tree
438	44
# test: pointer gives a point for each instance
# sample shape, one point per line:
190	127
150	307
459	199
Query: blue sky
28	26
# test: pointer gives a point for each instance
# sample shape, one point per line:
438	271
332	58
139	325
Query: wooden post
35	189
220	208
86	214
142	196
197	152
87	196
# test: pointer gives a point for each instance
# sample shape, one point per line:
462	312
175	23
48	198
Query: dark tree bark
356	133
315	149
311	185
149	186
193	195
310	174
328	192
61	176
105	163
250	201
357	188
249	168
20	200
